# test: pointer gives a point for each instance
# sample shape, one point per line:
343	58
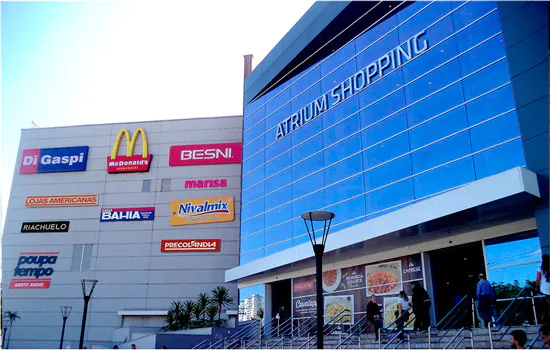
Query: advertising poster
352	288
202	211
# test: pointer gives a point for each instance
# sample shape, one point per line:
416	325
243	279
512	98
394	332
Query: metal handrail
454	337
305	324
450	312
399	332
337	316
338	319
243	333
353	330
199	345
394	323
447	323
281	327
499	319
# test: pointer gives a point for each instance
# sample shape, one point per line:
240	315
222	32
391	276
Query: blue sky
73	63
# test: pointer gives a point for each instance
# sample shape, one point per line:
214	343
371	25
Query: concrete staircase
480	339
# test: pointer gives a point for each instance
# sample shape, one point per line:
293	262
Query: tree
221	298
260	314
202	304
211	311
197	311
11	316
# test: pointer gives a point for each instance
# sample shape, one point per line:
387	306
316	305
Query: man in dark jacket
374	315
421	307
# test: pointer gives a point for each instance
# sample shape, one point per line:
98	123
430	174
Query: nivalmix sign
54	160
359	81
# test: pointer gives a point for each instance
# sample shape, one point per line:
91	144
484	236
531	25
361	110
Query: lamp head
66	311
318	216
88	286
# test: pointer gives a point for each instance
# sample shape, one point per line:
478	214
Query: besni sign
54	160
34	266
127	214
190	245
202	211
207	154
129	163
71	200
48	226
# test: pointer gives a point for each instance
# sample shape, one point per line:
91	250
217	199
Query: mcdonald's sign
129	163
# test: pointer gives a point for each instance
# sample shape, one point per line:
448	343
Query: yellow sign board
202	211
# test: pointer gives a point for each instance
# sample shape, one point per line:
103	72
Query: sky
73	63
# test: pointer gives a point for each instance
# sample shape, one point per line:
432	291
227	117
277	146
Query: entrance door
454	274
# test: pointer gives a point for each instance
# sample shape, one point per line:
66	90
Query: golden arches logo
129	163
130	143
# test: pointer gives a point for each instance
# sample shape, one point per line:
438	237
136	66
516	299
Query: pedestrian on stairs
374	316
421	307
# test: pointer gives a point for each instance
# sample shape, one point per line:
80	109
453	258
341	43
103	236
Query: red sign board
206	154
302	286
190	245
30	283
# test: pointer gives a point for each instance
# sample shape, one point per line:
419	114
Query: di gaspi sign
202	211
129	163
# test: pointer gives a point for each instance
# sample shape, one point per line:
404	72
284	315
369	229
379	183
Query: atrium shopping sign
129	163
54	160
35	268
359	81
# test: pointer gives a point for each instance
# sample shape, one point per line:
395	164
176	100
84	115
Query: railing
460	331
455	315
328	326
221	341
228	342
304	325
400	331
515	309
356	330
257	337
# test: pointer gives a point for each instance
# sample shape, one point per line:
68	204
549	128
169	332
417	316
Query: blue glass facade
442	119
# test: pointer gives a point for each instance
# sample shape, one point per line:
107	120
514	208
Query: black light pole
65	312
87	290
318	249
5	330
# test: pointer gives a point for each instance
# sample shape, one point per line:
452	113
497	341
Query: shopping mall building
423	126
150	210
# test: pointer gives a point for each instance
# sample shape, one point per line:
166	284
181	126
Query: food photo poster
351	289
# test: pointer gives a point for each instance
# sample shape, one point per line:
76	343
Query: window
165	185
513	258
146	186
82	257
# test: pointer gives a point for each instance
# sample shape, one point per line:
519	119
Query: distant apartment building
248	308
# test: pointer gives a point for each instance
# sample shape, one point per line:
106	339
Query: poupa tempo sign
36	269
359	81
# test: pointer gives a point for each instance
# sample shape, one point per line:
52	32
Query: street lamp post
318	249
65	312
87	290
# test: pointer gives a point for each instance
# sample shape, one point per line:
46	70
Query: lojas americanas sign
46	226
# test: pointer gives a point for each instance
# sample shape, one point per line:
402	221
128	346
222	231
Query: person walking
485	299
543	284
518	338
374	315
421	307
402	313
